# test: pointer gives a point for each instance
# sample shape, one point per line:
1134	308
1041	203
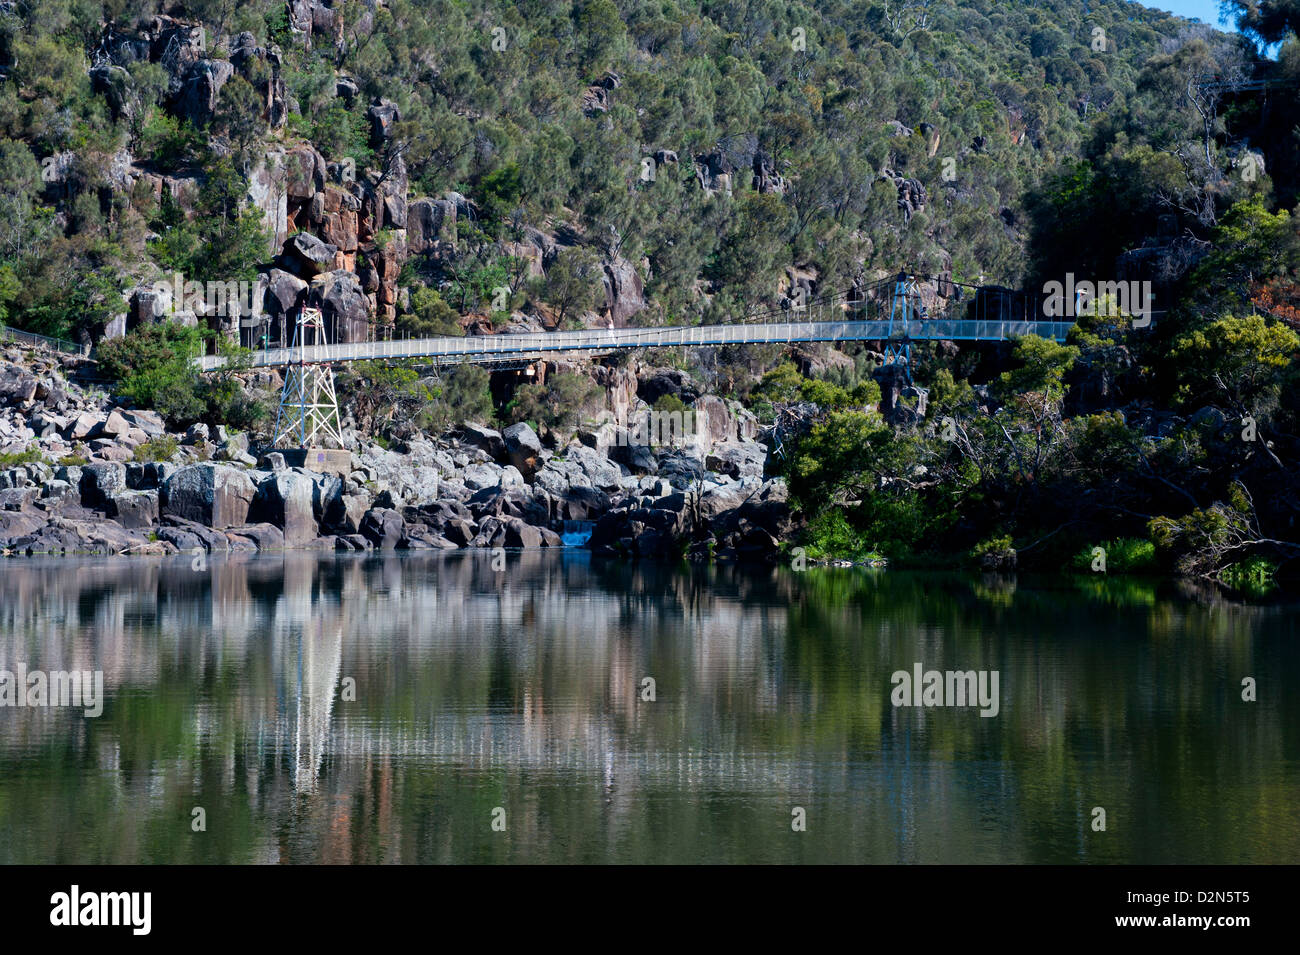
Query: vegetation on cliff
697	160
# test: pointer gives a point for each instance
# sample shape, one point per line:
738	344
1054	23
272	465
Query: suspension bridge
846	317
890	313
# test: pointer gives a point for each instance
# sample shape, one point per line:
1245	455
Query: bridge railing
42	341
485	348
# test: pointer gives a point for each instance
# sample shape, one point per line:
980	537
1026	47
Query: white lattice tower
309	407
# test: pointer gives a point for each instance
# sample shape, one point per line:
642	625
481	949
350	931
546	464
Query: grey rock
81	427
215	495
199	94
479	476
262	537
184	541
485	439
383	527
18	498
17	387
284	294
737	460
305	255
212	541
133	509
519	534
286	500
523	448
343	305
459	532
100	482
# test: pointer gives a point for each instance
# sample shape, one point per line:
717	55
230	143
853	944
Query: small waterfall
576	533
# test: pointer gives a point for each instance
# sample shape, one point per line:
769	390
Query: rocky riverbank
80	474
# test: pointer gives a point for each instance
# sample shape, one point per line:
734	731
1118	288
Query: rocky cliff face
339	235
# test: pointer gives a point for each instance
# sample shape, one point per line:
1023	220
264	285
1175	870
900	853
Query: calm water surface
381	709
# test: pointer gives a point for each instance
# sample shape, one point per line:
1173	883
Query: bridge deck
495	348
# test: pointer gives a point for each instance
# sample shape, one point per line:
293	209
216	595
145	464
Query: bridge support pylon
905	307
309	407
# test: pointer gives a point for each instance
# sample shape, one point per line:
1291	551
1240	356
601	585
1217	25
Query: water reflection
377	709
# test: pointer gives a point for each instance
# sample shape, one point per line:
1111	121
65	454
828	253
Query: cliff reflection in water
377	709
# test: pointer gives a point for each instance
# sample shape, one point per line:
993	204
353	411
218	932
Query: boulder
100	482
491	533
284	294
383	115
80	428
150	422
523	448
17	525
485	439
346	89
286	499
1209	418
343	305
624	292
133	509
419	537
592	468
459	532
519	534
214	542
186	542
304	172
214	495
345	513
111	449
582	504
383	527
57	493
17	387
114	426
737	460
18	498
680	468
305	255
657	382
427	221
259	537
480	476
197	100
102	538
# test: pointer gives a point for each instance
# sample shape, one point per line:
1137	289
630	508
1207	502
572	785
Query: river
413	708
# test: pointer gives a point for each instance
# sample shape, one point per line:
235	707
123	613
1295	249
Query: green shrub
670	404
151	367
18	458
993	545
1125	555
1254	576
156	449
831	537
